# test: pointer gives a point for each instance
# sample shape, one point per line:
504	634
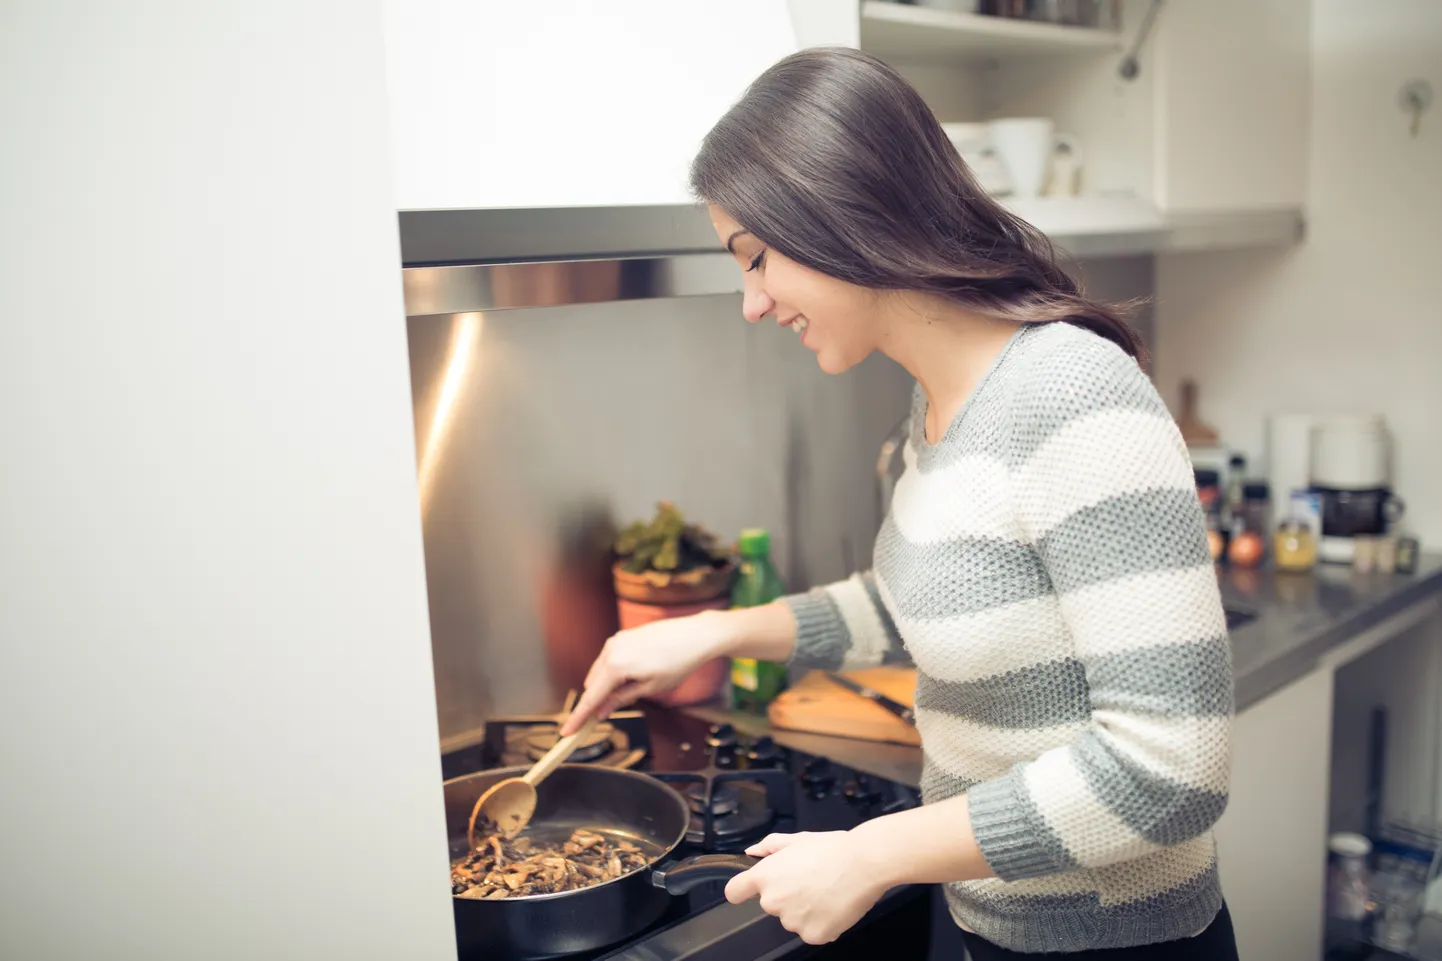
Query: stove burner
740	812
732	802
521	740
724	800
721	737
597	744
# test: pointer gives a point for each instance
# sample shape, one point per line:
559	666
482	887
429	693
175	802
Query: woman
1043	563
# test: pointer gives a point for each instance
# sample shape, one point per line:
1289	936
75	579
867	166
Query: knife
895	707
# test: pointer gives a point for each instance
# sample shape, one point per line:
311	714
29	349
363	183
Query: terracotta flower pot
692	587
644	598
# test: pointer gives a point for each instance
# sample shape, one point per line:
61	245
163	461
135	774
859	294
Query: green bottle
754	684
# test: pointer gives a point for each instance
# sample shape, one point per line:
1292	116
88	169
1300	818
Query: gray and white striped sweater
1045	567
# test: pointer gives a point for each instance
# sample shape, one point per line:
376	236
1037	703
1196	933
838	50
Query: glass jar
1349	886
1295	546
1257	506
1209	490
1397	892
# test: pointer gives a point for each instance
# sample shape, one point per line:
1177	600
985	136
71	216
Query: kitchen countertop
1295	620
1301	617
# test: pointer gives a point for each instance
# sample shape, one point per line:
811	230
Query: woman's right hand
650	659
655	657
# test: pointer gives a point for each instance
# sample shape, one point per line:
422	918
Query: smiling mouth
797	323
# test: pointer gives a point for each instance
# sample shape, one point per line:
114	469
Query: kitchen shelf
908	33
1129	226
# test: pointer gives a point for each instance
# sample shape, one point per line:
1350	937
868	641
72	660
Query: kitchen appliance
737	789
1351	453
1350	467
1349	514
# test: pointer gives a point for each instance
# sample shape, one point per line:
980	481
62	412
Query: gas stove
739	789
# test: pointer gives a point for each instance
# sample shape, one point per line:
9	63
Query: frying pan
639	808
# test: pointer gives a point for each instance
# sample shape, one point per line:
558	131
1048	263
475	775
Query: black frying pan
638	807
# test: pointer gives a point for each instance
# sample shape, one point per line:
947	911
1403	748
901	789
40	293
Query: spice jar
1257	506
1209	490
1364	554
1408	551
1295	546
1386	555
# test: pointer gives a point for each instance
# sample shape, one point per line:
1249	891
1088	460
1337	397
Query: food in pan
522	866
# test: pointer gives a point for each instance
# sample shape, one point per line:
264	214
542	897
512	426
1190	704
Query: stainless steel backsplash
539	432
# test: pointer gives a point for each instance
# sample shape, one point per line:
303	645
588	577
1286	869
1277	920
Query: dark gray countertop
1296	620
1301	617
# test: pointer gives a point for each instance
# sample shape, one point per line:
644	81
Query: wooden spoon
509	804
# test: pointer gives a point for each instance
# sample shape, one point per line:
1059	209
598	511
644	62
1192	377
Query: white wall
569	102
217	721
1351	319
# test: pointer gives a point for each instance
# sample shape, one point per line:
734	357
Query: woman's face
837	321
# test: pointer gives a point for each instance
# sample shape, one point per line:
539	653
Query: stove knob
861	791
817	775
721	737
764	753
903	799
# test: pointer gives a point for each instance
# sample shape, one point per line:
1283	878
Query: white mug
1027	145
973	142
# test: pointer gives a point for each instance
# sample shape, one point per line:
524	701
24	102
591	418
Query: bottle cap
754	542
1256	491
1349	845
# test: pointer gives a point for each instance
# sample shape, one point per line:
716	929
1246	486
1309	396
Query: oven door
909	924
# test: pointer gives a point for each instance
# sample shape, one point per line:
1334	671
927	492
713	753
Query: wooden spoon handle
553	758
471	824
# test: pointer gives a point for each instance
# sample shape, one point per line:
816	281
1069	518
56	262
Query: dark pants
1217	943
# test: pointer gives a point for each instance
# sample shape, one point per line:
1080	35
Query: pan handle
681	876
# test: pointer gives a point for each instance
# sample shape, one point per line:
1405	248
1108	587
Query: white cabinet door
1233	103
825	23
567	102
1271	842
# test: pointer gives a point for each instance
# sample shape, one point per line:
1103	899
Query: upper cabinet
1208	135
567	103
1233	103
908	32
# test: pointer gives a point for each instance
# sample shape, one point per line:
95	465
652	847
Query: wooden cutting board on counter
818	705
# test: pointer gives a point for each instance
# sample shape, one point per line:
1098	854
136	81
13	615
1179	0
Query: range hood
509	258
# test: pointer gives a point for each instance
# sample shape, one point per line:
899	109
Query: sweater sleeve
1104	492
844	625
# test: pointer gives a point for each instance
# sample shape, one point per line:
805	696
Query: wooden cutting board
820	706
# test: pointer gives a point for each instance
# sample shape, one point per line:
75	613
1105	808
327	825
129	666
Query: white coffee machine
1351	472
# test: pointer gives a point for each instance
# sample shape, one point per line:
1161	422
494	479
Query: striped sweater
1045	567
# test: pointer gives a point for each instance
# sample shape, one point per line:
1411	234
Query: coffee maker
1351	474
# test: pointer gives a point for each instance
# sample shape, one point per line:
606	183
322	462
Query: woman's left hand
818	884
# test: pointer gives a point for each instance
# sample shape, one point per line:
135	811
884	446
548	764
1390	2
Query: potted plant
668	567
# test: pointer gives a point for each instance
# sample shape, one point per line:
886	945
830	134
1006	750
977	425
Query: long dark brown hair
833	159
